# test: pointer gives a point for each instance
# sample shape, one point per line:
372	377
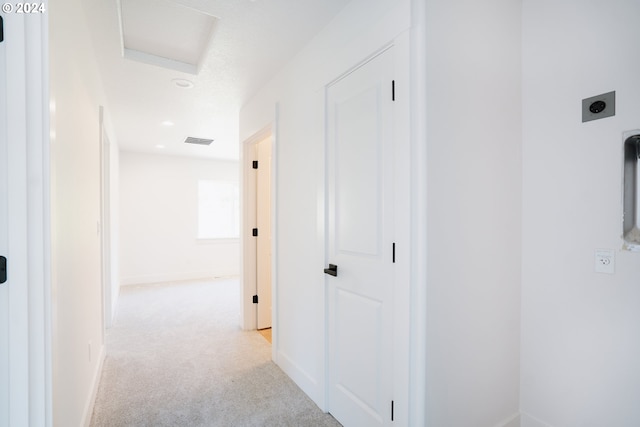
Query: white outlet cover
605	261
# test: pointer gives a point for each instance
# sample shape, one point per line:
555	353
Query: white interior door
263	244
360	232
4	288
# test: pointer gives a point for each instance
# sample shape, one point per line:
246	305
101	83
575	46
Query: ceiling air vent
198	141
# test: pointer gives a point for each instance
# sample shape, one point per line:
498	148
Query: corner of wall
513	421
529	421
306	382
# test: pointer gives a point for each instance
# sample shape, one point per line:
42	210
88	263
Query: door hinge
255	232
255	299
255	164
393	90
392	414
393	253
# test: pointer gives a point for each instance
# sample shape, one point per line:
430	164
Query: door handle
332	270
3	269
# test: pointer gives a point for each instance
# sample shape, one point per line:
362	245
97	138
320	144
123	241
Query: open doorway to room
179	218
257	232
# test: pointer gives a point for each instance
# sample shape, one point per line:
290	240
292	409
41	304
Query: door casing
247	241
105	224
28	289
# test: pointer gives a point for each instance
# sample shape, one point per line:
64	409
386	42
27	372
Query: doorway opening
258	233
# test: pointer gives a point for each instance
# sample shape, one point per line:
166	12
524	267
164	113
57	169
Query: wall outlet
599	107
605	261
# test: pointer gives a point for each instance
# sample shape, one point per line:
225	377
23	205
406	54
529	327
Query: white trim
215	240
30	381
248	316
47	351
402	214
419	247
105	224
147	58
307	383
17	256
39	222
275	343
512	421
95	383
527	420
360	64
4	248
177	277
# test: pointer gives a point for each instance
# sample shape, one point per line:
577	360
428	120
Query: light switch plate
605	261
599	107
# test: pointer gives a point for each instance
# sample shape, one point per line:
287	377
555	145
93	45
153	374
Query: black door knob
332	270
3	269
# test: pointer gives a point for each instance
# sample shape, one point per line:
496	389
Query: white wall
474	212
76	94
297	92
159	220
580	339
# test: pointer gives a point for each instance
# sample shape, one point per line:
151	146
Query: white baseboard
95	383
527	420
173	277
512	421
302	379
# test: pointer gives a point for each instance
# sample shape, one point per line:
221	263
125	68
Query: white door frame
105	223
418	58
247	241
29	259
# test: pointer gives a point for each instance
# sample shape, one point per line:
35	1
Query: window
218	210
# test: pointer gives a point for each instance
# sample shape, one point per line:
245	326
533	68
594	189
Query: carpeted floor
177	357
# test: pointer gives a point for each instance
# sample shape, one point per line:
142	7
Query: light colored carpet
177	357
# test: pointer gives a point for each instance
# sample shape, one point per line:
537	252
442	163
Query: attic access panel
165	34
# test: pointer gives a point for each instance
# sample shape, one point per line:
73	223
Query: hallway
176	357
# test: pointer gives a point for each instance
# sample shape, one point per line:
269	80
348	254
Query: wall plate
599	107
605	260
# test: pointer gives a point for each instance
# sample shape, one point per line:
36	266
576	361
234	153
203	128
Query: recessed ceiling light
168	123
159	146
183	83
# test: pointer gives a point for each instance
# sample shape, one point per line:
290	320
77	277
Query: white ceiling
250	41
